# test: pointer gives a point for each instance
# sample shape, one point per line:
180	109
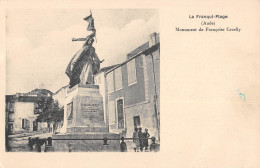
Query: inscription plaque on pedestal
90	110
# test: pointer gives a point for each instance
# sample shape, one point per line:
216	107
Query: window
35	125
112	115
110	82
25	124
10	106
10	128
131	72
11	117
137	121
118	78
36	108
120	114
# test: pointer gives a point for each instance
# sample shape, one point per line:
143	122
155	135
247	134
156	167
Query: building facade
60	95
133	91
99	79
21	111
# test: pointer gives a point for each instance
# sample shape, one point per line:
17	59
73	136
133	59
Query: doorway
137	121
10	128
35	126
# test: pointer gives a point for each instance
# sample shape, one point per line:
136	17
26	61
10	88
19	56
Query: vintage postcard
169	84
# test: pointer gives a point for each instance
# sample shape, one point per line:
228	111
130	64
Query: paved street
19	143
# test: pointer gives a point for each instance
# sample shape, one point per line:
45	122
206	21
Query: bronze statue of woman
84	64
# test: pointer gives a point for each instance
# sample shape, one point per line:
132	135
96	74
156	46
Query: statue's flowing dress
83	66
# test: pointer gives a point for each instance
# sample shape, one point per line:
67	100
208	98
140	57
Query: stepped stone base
79	145
84	119
87	129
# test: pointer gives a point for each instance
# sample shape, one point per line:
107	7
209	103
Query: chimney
153	39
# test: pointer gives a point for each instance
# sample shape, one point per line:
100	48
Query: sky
39	42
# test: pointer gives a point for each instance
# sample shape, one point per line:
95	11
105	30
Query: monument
83	109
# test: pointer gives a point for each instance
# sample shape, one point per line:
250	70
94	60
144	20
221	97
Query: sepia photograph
83	84
85	80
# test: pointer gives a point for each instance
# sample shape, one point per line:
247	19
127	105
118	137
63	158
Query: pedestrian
146	135
141	141
136	140
154	147
123	146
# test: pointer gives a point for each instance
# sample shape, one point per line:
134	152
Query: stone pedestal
84	110
84	119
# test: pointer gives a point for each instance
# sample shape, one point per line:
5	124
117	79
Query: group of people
140	139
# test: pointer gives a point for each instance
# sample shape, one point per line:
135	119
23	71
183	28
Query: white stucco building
21	111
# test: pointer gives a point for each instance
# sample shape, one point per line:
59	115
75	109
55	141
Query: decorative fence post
30	143
38	144
70	147
105	141
49	140
48	145
105	146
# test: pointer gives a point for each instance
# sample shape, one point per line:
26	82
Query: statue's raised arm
93	34
79	39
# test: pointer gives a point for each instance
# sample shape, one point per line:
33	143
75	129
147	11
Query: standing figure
146	136
141	141
136	140
123	147
154	147
85	63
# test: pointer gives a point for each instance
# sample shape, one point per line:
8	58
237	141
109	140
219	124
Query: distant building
60	95
21	111
133	90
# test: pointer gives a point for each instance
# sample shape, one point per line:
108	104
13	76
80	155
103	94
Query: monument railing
38	142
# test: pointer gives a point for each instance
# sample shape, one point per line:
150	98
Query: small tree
49	111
